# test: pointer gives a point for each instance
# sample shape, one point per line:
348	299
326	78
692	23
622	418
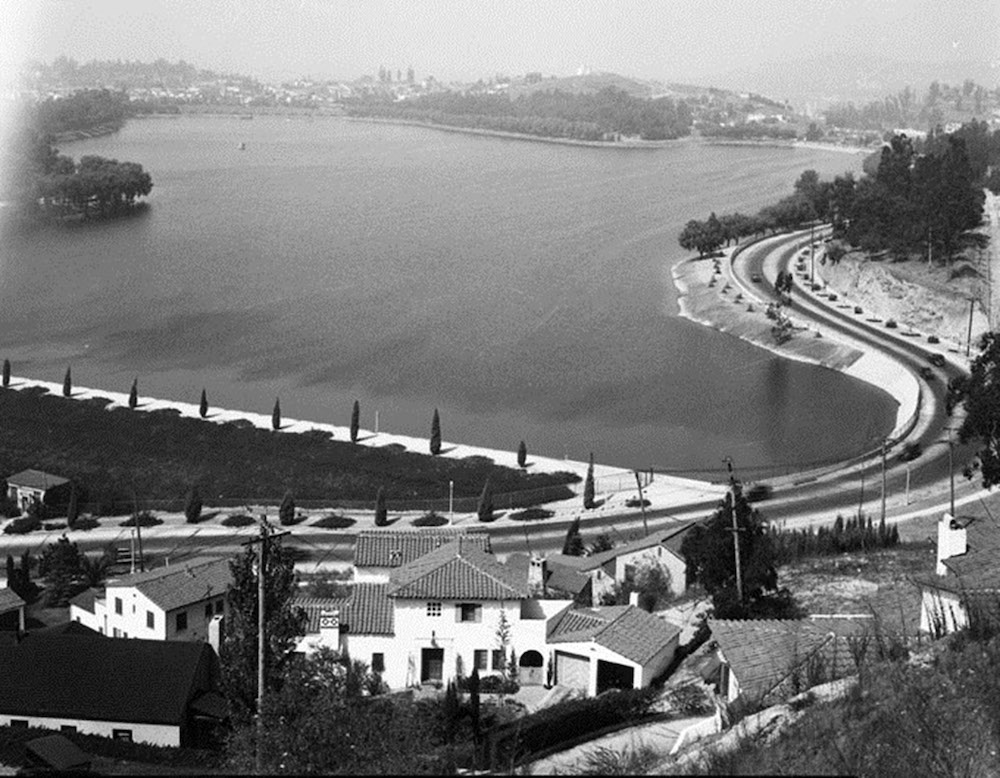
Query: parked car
936	359
759	493
926	373
756	278
857	309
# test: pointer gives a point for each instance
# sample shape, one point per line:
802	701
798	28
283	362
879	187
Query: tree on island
192	506
286	511
355	421
284	624
484	511
67	383
6	373
276	415
588	485
203	406
436	434
522	454
133	395
381	511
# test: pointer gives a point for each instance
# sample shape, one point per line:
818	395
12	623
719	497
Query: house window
208	611
219	606
182	621
378	663
122	734
433	609
118	605
19	723
479	659
117	632
150	620
69	729
469	611
629	573
498	659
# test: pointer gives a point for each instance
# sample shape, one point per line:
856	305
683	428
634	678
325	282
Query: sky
671	40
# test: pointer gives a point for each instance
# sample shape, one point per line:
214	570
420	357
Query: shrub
192	506
85	523
23	526
891	324
431	519
522	454
933	339
286	511
532	514
635	502
491	684
144	519
238	520
52	526
334	521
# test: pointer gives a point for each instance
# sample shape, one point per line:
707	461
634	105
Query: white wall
659	663
156	734
132	620
93	620
946	606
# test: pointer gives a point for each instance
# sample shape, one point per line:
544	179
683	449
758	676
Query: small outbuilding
56	753
36	486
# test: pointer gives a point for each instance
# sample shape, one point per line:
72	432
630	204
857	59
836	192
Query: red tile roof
625	629
392	548
978	569
459	570
669	537
366	611
9	601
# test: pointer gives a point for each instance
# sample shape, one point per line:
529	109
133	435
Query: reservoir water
523	289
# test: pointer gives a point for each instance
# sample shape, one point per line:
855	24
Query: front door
431	664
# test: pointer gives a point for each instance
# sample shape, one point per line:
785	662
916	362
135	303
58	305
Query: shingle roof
978	569
9	601
669	537
366	611
765	654
76	676
625	629
388	548
86	599
180	585
36	479
459	570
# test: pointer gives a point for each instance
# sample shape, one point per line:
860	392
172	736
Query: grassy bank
159	455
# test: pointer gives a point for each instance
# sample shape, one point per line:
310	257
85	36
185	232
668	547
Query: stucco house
146	691
378	553
618	565
36	486
185	601
11	610
967	570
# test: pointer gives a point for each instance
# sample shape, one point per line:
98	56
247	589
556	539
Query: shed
55	752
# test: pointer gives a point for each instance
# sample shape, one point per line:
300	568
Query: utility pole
951	472
642	505
736	529
885	449
812	257
451	502
968	341
861	499
907	483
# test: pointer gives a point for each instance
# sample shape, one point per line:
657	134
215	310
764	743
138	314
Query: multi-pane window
150	620
122	734
118	605
469	611
378	663
498	659
479	659
182	621
433	609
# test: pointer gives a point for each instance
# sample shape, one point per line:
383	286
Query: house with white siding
174	602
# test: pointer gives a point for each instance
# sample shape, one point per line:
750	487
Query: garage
612	675
572	670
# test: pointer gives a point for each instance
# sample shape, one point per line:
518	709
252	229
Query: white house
378	553
176	602
147	691
620	564
35	486
968	567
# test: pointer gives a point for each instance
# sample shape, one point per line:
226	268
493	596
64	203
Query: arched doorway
530	669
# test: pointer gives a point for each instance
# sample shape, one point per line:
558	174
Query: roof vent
395	557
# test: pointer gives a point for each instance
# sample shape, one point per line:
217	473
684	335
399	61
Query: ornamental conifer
436	434
6	373
203	407
485	509
355	421
192	506
133	395
588	486
276	415
286	511
522	455
67	383
381	511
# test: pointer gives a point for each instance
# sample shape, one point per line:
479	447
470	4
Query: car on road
756	278
927	374
936	359
759	493
910	451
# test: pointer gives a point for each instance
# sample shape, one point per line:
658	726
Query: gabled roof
77	676
366	611
459	570
557	577
669	538
625	629
180	585
978	569
36	479
86	599
58	753
388	548
10	601
763	654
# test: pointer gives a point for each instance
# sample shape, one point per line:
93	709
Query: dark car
926	373
756	278
759	493
910	451
936	359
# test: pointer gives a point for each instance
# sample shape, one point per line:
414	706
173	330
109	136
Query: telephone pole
951	472
735	530
968	341
642	505
885	449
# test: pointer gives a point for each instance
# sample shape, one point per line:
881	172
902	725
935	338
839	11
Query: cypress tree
381	512
522	455
6	373
451	711
485	509
588	486
355	421
286	511
474	702
133	395
73	510
67	383
25	569
192	506
276	415
436	434
11	571
203	407
573	544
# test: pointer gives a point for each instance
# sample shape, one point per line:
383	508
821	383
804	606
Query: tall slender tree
286	511
192	506
522	455
6	373
133	395
276	415
436	434
381	511
573	544
588	485
203	406
485	509
355	421
67	383
73	510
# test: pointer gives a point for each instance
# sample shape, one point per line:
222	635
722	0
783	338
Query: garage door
611	675
572	670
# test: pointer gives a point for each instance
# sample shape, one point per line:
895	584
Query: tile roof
669	537
765	654
625	629
557	577
91	677
86	599
458	570
36	479
389	548
978	569
180	585
366	611
9	600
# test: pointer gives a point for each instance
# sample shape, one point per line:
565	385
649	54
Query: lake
521	288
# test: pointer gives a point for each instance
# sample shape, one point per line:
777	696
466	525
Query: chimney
952	541
633	599
329	628
536	573
215	632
